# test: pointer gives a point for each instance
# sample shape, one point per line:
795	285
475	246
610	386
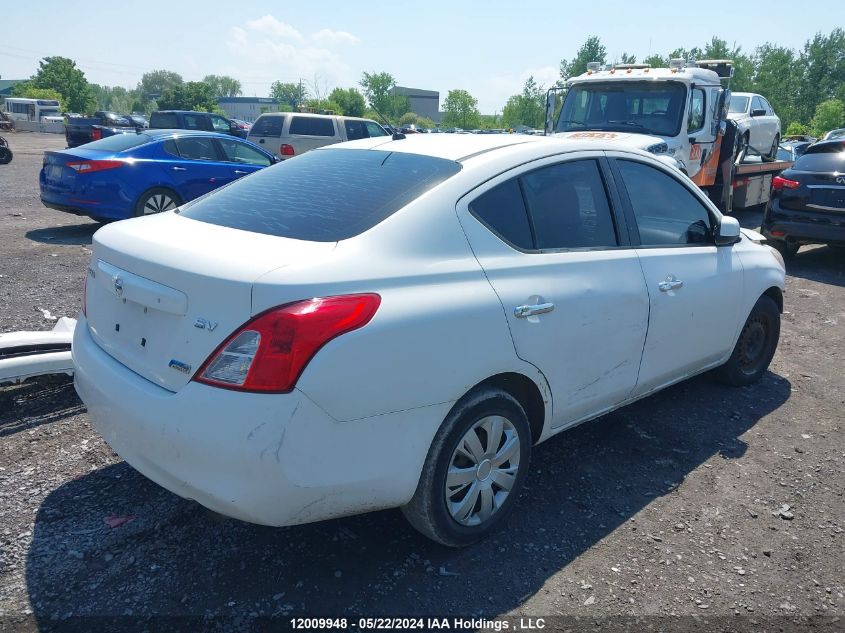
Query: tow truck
678	113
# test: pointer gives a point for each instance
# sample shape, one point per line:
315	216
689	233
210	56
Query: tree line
806	87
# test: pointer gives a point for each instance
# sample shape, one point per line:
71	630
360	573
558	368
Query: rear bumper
78	207
800	226
273	459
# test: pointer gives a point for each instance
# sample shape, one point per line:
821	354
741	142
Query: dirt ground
674	506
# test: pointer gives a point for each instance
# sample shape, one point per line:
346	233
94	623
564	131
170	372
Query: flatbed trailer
751	184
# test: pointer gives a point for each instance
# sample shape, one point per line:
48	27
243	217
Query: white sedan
757	124
397	323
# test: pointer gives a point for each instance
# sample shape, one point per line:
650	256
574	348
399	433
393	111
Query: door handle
240	173
179	169
671	283
261	140
520	312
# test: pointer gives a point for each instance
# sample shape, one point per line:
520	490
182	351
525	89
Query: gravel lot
676	505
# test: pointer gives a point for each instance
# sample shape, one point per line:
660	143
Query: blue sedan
130	175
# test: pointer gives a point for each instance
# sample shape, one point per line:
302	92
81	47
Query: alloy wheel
158	203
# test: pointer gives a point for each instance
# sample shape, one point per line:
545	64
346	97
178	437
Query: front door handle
520	312
179	169
671	283
261	140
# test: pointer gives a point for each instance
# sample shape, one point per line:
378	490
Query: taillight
90	166
268	353
286	150
779	183
96	134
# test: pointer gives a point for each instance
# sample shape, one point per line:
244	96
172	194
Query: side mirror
758	112
727	232
551	101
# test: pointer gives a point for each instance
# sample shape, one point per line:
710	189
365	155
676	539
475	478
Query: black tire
5	156
427	511
744	144
773	153
155	200
755	346
787	248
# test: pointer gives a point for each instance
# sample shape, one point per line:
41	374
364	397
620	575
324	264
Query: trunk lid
164	291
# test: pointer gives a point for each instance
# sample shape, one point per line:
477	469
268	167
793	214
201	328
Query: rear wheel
787	248
156	200
5	155
755	347
474	470
773	152
744	142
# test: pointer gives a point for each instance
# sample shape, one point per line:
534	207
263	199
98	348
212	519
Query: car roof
159	132
464	147
745	94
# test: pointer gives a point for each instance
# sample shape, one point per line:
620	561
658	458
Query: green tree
155	82
194	95
460	110
290	94
411	118
324	106
62	75
380	91
718	48
822	63
795	128
829	115
223	85
628	59
351	101
591	51
656	61
28	91
527	108
776	77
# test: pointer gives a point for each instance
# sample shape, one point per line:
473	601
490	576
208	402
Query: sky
487	48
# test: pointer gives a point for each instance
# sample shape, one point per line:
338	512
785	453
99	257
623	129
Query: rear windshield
822	157
164	120
323	195
119	142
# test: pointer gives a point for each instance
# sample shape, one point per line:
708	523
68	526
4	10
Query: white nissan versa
390	323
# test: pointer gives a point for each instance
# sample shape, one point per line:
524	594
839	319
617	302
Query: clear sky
488	48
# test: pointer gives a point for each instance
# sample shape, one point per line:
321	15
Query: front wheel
773	152
474	470
156	200
755	347
5	155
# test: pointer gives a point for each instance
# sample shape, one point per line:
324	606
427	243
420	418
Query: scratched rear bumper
270	459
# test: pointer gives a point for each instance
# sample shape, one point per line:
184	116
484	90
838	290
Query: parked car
190	120
147	172
289	134
81	130
243	125
138	120
398	322
807	205
833	134
758	127
791	150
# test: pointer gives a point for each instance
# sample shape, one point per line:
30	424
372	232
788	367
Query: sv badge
205	324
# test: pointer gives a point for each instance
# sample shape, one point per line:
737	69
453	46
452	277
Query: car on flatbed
398	322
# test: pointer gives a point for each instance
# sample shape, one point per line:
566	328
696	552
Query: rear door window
197	148
323	195
568	206
267	126
502	210
355	130
312	126
194	122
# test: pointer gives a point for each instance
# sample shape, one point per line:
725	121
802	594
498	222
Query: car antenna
397	136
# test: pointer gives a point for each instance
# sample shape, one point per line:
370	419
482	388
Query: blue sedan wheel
156	200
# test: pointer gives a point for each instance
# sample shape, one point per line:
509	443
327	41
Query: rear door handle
671	283
179	169
240	173
261	140
520	312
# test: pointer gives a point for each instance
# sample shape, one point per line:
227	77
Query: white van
288	134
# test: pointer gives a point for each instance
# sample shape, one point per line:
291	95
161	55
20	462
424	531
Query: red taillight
779	183
96	134
286	150
90	166
268	353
